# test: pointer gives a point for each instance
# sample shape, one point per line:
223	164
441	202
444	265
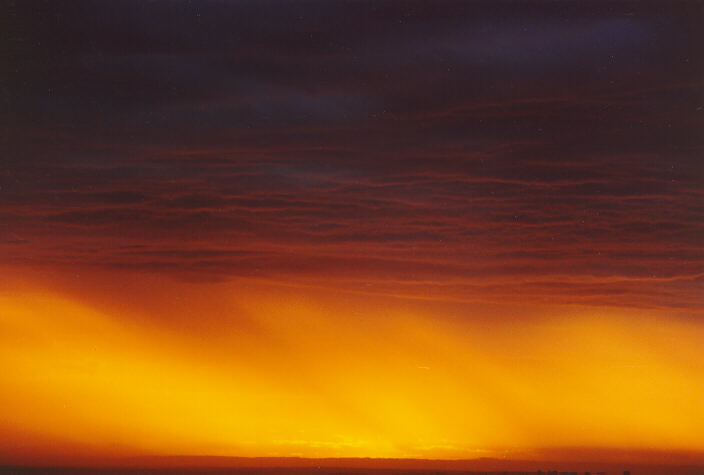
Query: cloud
488	152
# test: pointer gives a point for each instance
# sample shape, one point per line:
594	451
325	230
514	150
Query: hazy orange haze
147	365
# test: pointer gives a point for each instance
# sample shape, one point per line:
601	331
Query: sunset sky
439	230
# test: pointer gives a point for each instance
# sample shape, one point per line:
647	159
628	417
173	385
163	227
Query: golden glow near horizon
247	370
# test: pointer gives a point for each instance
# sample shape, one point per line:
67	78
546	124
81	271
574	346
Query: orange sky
127	364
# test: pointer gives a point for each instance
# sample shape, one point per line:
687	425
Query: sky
327	229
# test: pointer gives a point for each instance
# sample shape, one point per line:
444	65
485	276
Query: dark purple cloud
536	152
